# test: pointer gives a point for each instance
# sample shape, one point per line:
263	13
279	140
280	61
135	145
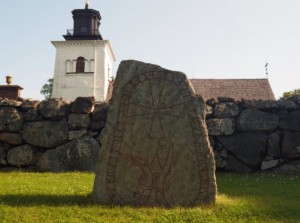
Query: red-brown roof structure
238	89
250	89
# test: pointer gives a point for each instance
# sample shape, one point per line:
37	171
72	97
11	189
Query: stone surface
76	134
11	120
8	102
32	115
248	148
269	164
256	120
235	165
54	109
292	168
274	144
78	155
291	121
3	150
155	149
29	104
226	110
286	104
99	116
259	104
221	159
47	134
218	127
79	121
291	145
83	105
11	138
295	98
21	156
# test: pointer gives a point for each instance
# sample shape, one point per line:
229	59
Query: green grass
46	197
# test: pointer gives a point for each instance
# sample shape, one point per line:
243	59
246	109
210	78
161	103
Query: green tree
47	88
289	94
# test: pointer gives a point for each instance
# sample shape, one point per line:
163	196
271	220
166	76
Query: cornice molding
80	43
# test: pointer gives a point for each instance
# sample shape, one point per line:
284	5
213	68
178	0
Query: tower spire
87	2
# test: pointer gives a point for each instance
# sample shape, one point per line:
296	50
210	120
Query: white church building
83	63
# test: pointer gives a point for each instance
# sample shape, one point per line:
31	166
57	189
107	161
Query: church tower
84	60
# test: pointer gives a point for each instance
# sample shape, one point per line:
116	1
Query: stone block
291	145
22	156
217	127
11	120
226	110
46	134
291	121
256	120
54	108
79	121
11	138
80	154
248	148
83	105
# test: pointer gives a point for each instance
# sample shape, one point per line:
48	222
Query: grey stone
3	151
269	164
29	104
292	168
248	148
83	105
209	111
218	127
11	138
99	116
286	104
291	121
54	109
79	121
235	165
225	99
291	145
81	154
226	110
259	104
9	103
32	115
46	134
295	98
221	159
22	156
76	134
155	148
274	145
256	120
11	120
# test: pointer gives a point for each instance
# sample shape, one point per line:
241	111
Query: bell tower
83	60
86	25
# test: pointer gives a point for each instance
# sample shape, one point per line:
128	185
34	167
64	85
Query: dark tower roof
86	25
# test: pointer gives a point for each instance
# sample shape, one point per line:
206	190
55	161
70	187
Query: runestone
155	149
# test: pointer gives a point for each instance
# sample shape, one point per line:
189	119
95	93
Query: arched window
80	65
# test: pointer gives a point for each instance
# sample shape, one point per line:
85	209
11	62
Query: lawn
46	197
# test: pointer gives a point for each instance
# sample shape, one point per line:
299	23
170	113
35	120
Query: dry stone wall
52	135
57	135
255	135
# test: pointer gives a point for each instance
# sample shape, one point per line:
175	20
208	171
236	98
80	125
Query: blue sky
202	38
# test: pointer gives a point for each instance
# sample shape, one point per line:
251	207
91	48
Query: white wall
94	81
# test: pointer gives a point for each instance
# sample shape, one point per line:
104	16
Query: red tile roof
237	89
258	89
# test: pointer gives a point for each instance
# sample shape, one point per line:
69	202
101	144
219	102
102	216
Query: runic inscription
158	154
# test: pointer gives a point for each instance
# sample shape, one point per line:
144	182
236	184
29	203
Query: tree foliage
289	94
47	88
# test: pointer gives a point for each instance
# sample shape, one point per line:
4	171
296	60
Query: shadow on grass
49	200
